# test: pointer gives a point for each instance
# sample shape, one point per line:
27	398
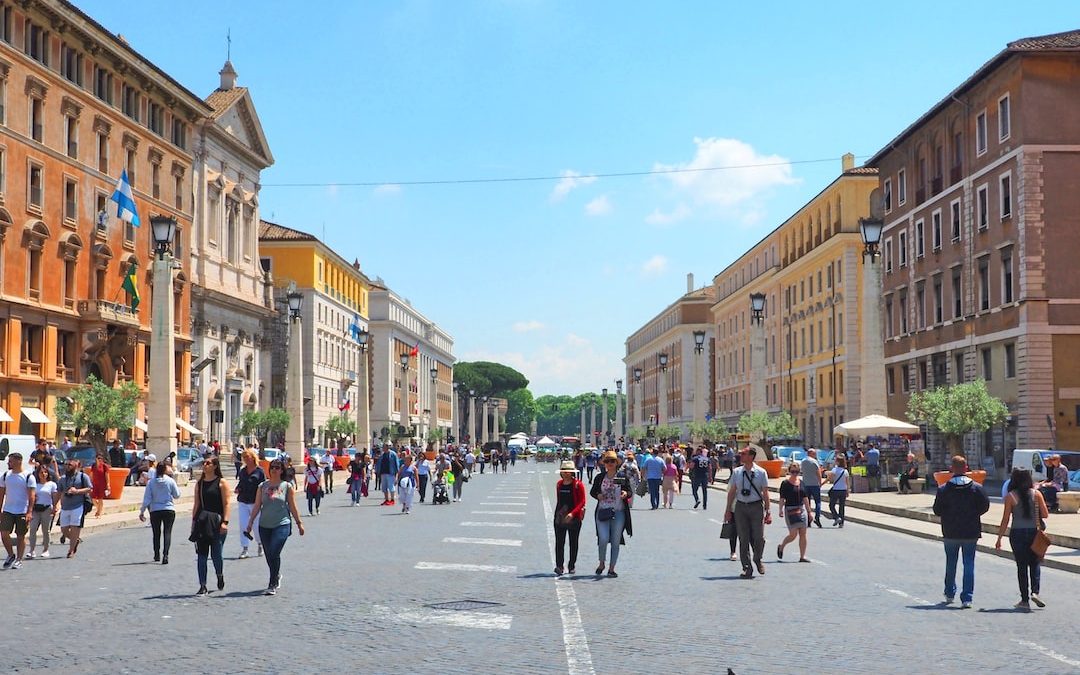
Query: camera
745	492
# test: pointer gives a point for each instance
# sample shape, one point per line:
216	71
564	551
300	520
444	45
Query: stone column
484	421
404	417
619	431
662	398
592	423
161	402
294	392
757	365
699	408
583	429
469	430
603	422
872	364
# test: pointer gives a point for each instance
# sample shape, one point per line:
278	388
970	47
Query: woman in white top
313	484
45	501
838	476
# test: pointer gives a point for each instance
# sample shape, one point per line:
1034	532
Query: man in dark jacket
960	504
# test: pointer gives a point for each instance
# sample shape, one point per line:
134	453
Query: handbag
727	530
1041	541
642	488
605	514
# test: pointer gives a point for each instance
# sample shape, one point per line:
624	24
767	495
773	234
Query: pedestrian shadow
1004	610
733	577
242	594
938	606
171	596
539	575
137	562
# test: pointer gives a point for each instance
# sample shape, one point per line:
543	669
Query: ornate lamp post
699	397
363	412
871	391
619	431
757	351
639	404
433	425
161	401
404	421
662	402
294	379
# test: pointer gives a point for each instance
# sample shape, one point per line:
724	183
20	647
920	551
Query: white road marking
578	657
482	541
532	472
499	513
445	617
471	523
1046	651
545	472
904	595
502	504
466	567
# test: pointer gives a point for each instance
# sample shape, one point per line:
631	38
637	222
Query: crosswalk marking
477	523
482	541
466	567
460	619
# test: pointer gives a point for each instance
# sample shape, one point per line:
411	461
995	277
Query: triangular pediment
236	116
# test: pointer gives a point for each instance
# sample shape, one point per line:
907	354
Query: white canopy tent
517	442
874	425
520	434
546	442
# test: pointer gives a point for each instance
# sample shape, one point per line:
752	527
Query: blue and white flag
125	203
355	328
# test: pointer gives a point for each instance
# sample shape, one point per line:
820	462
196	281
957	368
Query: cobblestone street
365	586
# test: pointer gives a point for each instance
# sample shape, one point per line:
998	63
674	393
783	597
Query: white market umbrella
875	425
520	434
546	442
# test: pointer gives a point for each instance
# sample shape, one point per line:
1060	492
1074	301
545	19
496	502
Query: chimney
228	76
848	161
690	282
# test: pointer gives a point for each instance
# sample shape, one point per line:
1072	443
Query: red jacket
577	488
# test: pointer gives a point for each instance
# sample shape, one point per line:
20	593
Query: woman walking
313	484
210	522
46	498
611	515
794	509
247	485
99	478
838	476
406	480
569	514
275	507
357	478
457	469
629	470
158	499
671	479
1027	508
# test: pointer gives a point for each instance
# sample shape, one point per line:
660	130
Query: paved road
360	589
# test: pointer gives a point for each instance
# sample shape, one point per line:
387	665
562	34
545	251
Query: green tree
489	379
667	432
338	428
761	426
635	433
262	424
96	408
957	409
715	430
697	430
520	411
434	435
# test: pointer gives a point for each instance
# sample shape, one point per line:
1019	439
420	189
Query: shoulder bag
1041	541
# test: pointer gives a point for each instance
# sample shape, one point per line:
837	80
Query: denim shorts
386	481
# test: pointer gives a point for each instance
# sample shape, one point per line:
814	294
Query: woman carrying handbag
1027	508
569	514
210	522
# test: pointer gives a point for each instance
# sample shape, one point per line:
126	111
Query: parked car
1035	462
270	454
24	445
84	453
788	453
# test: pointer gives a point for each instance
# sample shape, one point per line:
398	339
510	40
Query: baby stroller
439	494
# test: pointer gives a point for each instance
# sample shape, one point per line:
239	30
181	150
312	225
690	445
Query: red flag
345	407
415	351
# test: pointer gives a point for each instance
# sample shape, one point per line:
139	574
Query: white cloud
658	217
570	179
387	190
526	326
570	365
655	265
601	206
734	190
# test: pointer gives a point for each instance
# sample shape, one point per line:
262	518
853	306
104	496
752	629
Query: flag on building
355	328
344	407
125	203
415	351
131	285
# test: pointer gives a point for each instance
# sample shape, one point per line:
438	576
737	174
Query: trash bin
117	478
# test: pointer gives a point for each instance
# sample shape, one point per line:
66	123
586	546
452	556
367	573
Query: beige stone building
980	243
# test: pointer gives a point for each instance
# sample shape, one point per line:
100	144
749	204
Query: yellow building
335	295
809	270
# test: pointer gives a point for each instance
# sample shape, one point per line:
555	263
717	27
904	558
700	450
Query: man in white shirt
17	490
748	507
327	464
470	459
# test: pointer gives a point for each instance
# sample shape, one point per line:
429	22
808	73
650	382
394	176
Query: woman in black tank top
211	495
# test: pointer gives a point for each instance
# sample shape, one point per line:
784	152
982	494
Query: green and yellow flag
131	285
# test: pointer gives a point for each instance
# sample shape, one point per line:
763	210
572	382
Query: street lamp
161	400
433	418
294	378
363	413
699	341
603	421
404	422
870	229
662	359
618	433
757	307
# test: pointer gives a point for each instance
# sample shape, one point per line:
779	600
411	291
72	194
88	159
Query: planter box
773	467
942	477
117	478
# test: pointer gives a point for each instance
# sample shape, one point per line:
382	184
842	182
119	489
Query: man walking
748	506
960	504
17	488
388	469
74	488
699	477
590	463
873	468
811	482
654	474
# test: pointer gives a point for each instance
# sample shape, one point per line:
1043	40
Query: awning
141	426
36	416
4	417
187	427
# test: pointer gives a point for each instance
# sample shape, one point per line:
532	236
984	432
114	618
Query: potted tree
955	410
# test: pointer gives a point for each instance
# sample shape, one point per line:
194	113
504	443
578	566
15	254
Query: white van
25	445
1035	462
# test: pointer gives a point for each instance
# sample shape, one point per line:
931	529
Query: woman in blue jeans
1027	508
612	517
275	507
211	494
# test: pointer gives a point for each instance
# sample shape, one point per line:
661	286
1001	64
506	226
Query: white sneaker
965	604
949	599
9	561
29	555
243	553
45	554
1037	600
16	565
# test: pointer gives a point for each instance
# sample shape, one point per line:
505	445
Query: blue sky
552	276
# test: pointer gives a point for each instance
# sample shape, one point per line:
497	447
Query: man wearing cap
17	494
748	507
811	481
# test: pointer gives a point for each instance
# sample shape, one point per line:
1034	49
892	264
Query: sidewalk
913	514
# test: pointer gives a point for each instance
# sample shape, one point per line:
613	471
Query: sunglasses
609	461
793	471
275	466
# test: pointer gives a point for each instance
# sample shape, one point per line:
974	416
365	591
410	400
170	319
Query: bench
917	485
1068	502
181	478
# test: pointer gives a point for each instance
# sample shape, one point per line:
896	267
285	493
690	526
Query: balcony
109	312
920	195
955	174
30	368
935	186
65	373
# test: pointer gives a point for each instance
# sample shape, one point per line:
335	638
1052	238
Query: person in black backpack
388	468
960	504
